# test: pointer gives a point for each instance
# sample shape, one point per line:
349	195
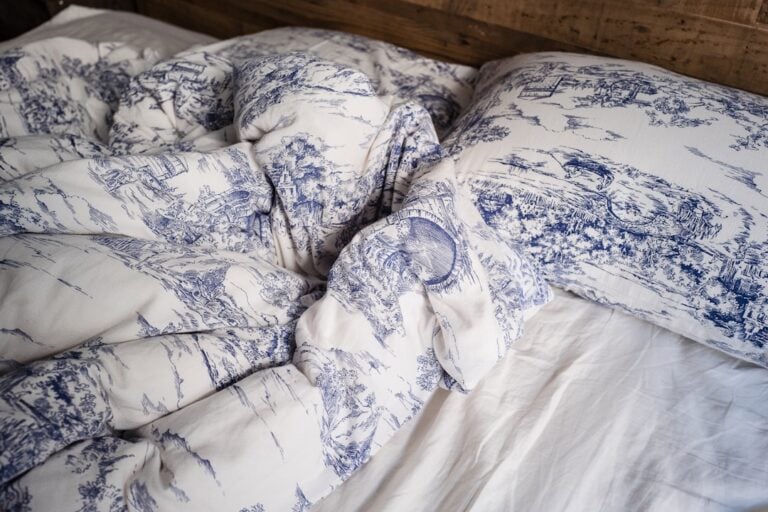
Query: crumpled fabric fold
237	300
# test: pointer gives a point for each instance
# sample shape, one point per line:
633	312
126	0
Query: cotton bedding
228	278
670	424
630	185
591	410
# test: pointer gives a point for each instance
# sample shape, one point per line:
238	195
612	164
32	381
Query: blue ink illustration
259	243
578	186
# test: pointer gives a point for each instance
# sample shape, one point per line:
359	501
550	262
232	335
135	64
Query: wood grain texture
722	41
427	30
740	11
762	16
714	49
218	20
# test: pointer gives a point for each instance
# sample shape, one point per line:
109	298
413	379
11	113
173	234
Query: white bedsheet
591	410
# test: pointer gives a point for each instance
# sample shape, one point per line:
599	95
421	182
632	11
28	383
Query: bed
591	408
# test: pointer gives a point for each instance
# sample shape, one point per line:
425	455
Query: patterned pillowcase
630	185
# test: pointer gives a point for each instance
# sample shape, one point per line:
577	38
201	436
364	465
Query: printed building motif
576	187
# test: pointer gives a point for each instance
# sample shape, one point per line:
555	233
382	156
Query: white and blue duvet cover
630	185
226	282
397	74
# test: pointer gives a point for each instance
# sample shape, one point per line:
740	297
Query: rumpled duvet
226	280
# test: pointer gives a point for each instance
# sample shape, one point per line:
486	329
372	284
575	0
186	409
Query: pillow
99	25
630	185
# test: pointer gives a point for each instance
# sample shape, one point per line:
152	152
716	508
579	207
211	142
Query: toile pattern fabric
226	281
629	185
396	74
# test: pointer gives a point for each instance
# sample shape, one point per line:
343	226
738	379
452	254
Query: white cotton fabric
591	410
629	185
238	321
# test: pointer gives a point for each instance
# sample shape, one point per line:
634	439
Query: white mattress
592	410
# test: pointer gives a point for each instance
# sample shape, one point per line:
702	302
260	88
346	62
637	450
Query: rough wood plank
740	11
204	17
762	16
701	46
429	31
705	41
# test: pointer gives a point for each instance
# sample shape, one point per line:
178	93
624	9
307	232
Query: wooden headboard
724	41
